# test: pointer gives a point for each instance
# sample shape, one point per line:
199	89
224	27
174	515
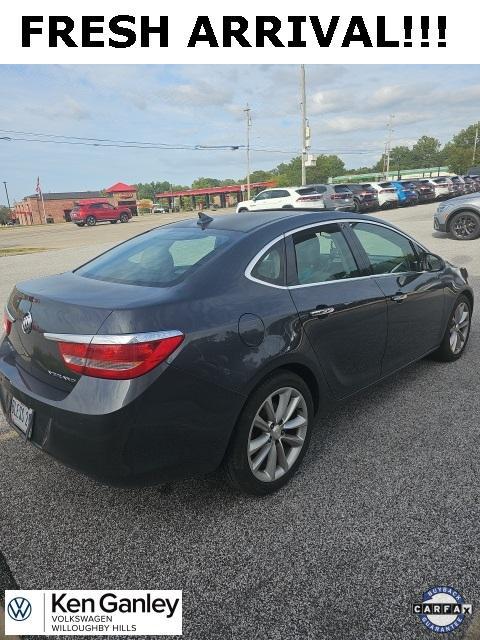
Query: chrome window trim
260	253
9	315
126	338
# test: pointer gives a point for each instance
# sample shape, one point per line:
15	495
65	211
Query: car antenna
203	219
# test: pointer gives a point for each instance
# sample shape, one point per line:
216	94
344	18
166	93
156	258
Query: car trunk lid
62	304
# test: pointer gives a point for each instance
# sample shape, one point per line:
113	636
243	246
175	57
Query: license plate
21	415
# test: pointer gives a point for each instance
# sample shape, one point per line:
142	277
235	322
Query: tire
253	425
124	217
91	221
287	206
80	224
242	210
465	225
113	221
448	352
357	207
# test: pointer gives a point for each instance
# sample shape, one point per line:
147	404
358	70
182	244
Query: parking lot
384	506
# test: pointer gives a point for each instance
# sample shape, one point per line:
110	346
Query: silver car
459	216
336	197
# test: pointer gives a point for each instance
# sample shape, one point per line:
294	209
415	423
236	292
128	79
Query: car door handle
400	297
317	313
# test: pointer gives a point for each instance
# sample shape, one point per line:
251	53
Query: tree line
427	151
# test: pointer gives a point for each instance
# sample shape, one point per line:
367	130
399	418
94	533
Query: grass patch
15	251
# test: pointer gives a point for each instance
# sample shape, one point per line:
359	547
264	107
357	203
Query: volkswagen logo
19	609
27	323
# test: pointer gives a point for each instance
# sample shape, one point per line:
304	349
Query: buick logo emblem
19	609
27	323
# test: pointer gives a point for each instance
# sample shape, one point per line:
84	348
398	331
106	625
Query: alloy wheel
459	328
277	434
465	225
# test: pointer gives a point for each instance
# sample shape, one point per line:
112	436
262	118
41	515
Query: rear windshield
341	188
159	258
386	185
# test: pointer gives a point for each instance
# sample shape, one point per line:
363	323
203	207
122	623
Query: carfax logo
19	609
442	609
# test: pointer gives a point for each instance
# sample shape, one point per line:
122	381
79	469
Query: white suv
387	194
282	198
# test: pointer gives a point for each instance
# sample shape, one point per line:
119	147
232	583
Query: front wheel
271	436
80	224
465	225
457	332
124	217
242	210
91	221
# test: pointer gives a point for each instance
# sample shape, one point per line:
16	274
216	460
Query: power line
135	144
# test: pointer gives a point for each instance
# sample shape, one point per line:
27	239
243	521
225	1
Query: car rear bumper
177	427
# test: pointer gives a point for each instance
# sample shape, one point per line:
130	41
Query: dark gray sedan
459	216
215	343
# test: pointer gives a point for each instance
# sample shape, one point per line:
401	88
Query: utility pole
6	193
247	111
475	144
303	104
388	147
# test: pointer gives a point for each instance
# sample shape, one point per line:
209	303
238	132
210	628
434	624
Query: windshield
159	258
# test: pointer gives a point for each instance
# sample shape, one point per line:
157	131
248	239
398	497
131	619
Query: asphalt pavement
385	505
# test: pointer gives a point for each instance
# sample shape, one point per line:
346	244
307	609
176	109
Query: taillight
309	198
7	323
117	357
340	196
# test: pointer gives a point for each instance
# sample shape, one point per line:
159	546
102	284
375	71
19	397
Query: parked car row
362	197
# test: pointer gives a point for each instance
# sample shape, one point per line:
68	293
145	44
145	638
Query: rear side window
323	255
305	191
271	266
160	258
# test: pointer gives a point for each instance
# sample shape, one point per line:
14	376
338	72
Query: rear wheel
465	225
242	210
124	217
457	331
271	436
357	206
80	224
91	221
113	221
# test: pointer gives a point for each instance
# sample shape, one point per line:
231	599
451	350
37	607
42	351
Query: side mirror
433	263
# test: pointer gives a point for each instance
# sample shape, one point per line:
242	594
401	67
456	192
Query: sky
348	109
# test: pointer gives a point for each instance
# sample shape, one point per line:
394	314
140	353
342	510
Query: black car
210	343
364	198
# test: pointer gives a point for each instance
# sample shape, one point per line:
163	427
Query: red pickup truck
89	213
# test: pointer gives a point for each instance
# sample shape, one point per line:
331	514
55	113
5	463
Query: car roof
282	220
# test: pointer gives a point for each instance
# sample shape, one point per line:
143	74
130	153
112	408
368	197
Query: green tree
459	151
426	152
4	214
203	183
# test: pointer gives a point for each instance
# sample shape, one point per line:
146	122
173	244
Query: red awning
211	191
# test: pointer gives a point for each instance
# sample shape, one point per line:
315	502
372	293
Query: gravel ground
384	506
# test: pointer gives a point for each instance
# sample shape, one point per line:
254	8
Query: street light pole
6	192
388	147
247	111
475	144
303	99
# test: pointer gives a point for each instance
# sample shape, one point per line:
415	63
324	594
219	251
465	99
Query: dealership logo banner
262	32
93	613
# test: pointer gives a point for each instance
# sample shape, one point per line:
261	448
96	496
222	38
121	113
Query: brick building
59	205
